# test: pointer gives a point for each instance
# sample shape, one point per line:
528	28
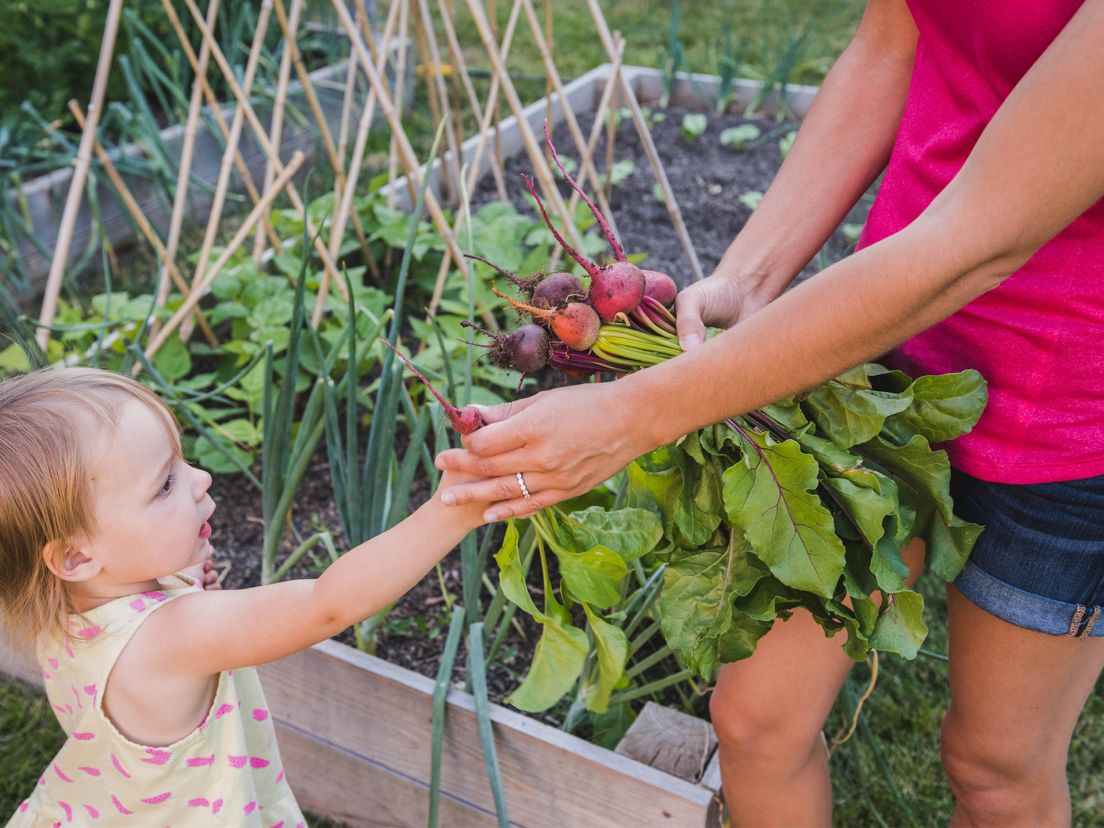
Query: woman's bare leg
1015	698
769	711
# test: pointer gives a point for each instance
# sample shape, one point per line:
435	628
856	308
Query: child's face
151	508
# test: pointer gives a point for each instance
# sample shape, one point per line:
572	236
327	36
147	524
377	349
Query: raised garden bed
354	729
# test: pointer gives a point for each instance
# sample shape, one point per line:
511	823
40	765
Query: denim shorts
1039	563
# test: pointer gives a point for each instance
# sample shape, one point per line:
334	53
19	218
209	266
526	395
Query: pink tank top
1038	338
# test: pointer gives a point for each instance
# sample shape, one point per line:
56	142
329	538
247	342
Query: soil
707	180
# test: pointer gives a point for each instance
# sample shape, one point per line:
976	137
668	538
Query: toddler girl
154	686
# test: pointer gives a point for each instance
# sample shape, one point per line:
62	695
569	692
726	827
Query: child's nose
201	482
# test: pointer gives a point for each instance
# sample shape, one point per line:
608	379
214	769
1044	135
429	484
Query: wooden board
671	741
380	712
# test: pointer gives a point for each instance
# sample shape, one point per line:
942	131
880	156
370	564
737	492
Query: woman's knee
761	727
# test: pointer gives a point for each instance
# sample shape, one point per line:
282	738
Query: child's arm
205	633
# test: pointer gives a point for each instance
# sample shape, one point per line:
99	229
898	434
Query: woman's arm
843	144
1020	186
204	633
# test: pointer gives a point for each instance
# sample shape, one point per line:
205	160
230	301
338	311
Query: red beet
525	349
660	287
576	323
465	420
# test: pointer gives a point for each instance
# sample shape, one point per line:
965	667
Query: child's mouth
205	532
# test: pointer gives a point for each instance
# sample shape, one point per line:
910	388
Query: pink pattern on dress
199	802
84	736
155	596
88	632
119	767
90	689
279	777
157	756
258	762
76	695
216	806
249	807
138	605
237	761
53	662
119	806
46	675
279	824
69	649
223	709
260	714
92	812
201	761
65	806
61	775
157	800
90	771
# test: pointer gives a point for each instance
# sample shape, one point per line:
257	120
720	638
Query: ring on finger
521	482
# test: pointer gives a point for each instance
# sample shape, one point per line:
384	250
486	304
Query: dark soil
707	180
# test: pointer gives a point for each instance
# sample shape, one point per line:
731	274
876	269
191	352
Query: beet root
464	420
616	288
576	324
660	287
556	290
525	349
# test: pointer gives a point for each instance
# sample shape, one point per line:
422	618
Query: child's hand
210	578
470	512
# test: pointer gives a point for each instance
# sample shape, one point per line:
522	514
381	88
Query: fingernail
490	516
448	498
690	341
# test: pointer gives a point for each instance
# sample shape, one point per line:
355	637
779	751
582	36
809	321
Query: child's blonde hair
47	450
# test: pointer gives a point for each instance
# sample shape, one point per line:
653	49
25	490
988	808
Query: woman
984	249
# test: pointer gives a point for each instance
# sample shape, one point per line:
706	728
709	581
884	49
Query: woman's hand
565	442
720	301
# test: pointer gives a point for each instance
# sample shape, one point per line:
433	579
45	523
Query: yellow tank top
226	772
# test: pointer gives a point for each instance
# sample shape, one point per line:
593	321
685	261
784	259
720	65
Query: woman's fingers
476	465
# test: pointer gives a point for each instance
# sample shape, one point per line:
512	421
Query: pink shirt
1038	338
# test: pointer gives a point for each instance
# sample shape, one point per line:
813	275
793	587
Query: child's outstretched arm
212	631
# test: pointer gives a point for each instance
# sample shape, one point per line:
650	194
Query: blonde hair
48	446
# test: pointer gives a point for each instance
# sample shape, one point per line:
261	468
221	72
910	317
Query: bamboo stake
413	170
500	156
457	54
548	38
258	130
215	108
262	206
473	169
586	165
276	124
455	97
540	165
337	231
226	168
452	157
611	132
400	101
140	219
425	63
184	174
649	145
604	107
80	175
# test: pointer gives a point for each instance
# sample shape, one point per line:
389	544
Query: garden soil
708	181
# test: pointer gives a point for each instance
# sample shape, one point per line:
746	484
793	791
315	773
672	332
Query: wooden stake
409	160
293	193
400	102
262	206
457	55
140	219
586	165
80	174
231	149
184	175
604	108
452	158
540	165
276	124
649	145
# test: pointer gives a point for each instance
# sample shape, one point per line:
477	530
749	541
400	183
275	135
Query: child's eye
166	487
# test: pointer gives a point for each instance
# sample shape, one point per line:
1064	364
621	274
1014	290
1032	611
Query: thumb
688	321
506	410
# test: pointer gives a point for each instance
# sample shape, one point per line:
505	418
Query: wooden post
184	175
251	220
143	223
80	175
649	145
231	149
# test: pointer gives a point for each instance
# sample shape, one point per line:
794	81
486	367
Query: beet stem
521	306
450	409
586	264
618	251
501	271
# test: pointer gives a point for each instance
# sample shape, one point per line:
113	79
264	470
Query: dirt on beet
708	181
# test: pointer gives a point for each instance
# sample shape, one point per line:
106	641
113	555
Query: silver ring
521	482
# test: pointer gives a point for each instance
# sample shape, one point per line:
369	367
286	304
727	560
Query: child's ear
68	562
